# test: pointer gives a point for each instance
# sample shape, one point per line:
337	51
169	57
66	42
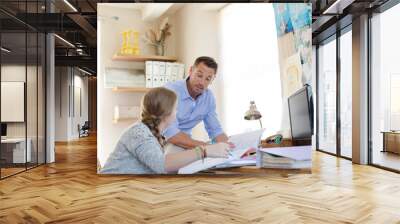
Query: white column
360	90
50	99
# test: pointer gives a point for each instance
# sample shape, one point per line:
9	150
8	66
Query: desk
285	143
391	142
13	150
253	170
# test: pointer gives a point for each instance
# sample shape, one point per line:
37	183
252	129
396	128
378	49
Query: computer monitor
3	129
301	115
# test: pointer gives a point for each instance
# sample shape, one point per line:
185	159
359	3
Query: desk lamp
253	113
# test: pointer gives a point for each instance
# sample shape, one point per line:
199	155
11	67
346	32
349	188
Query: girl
140	148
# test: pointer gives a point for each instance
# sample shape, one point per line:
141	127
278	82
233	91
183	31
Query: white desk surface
13	140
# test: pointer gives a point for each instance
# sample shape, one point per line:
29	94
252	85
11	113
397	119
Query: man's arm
212	125
221	138
183	140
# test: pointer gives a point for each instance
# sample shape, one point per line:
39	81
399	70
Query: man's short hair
208	61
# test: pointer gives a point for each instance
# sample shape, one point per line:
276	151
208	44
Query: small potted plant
157	38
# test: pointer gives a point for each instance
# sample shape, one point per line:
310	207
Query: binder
181	71
156	68
162	71
149	81
159	73
168	70
156	81
162	68
149	74
149	67
174	71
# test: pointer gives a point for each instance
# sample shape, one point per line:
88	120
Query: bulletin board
12	101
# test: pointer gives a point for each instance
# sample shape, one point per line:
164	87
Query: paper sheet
245	141
242	142
200	165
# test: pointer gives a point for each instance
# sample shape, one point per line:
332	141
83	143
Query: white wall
61	103
109	41
250	67
79	117
197	35
66	121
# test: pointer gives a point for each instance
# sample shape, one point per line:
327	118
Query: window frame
379	10
334	37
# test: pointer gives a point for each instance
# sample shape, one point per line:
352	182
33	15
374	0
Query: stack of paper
246	161
118	77
243	142
159	73
297	157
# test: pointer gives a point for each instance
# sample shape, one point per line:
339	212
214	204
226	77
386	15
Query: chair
84	130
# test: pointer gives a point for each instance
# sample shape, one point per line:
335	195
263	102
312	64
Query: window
346	94
327	97
250	67
394	101
385	88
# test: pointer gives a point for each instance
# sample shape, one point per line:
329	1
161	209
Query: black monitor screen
3	129
301	114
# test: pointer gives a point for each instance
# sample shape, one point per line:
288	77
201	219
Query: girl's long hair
157	104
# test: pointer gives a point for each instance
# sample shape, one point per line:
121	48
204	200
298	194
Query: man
196	103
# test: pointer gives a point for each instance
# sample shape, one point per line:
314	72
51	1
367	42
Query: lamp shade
252	113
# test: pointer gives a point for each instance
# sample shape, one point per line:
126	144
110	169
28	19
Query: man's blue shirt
191	111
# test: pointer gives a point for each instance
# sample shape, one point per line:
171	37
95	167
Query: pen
203	153
230	153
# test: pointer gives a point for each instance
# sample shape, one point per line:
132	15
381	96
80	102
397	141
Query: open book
243	142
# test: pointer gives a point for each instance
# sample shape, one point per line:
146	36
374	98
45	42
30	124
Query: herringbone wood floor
70	191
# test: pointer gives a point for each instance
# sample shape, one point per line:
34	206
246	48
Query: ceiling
76	22
330	15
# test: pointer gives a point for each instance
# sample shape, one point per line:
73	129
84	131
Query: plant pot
160	50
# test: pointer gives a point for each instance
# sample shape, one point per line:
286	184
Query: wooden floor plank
70	191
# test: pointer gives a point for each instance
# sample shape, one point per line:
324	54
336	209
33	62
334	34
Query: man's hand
224	138
183	140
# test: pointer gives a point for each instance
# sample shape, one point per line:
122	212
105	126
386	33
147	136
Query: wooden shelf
131	89
143	58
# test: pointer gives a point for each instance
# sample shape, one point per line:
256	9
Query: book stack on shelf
159	73
295	157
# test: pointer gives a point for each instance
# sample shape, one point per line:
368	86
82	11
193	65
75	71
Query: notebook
242	142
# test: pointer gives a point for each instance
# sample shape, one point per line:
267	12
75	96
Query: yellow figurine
136	43
128	48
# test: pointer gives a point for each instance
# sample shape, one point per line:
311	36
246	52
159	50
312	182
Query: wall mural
293	23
